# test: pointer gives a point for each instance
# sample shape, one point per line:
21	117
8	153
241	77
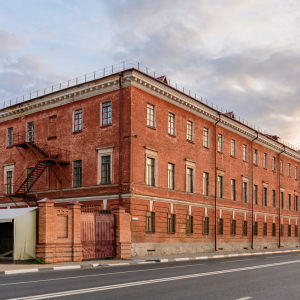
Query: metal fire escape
45	157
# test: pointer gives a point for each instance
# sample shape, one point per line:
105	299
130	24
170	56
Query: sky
243	56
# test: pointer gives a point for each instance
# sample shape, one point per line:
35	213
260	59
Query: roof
7	215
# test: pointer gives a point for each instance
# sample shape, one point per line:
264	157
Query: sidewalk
6	269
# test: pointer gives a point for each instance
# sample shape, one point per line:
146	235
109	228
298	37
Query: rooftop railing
125	65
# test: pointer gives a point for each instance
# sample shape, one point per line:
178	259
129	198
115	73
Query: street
250	277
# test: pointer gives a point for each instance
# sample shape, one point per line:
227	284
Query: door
98	235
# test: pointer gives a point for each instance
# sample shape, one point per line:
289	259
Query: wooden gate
98	236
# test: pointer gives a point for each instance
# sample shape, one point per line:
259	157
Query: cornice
73	94
171	95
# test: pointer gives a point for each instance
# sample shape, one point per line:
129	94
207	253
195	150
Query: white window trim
151	153
191	164
73	123
245	179
206	146
154	115
9	167
222	174
192	130
26	137
7	136
104	151
101	121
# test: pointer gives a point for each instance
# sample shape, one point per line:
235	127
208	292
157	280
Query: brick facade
140	141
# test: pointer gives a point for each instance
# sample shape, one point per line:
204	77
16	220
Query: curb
140	262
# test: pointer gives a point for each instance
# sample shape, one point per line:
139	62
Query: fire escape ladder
36	149
32	178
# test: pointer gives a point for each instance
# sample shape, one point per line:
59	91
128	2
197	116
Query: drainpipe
120	129
252	237
280	196
216	181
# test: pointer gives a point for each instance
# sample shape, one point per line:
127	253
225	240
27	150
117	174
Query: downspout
120	129
252	237
279	194
216	181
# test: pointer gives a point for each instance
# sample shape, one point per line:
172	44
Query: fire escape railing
45	157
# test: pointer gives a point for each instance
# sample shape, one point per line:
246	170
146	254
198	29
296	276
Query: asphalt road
252	277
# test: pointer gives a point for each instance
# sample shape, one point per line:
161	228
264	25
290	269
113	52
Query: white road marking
224	262
85	276
278	256
137	283
245	298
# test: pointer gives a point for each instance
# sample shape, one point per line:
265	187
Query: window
30	180
206	225
189	224
233	227
245	227
206	137
255	229
171	223
265	160
106	113
265	196
296	202
150	221
171	176
205	184
10	137
220	186
282	230
233	195
245	192
151	115
171	123
233	148
290	170
245	152
77	173
150	174
265	229
289	201
281	167
289	230
273	229
282	200
255	157
274	198
296	230
255	194
9	182
190	180
296	172
273	164
52	126
78	120
30	132
220	142
220	226
105	170
190	131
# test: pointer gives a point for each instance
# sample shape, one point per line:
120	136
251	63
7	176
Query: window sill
232	156
256	165
205	147
108	125
190	141
150	127
171	232
172	135
221	152
8	147
246	161
52	137
274	171
77	131
265	168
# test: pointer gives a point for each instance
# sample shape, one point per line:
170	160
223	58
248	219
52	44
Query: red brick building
192	179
